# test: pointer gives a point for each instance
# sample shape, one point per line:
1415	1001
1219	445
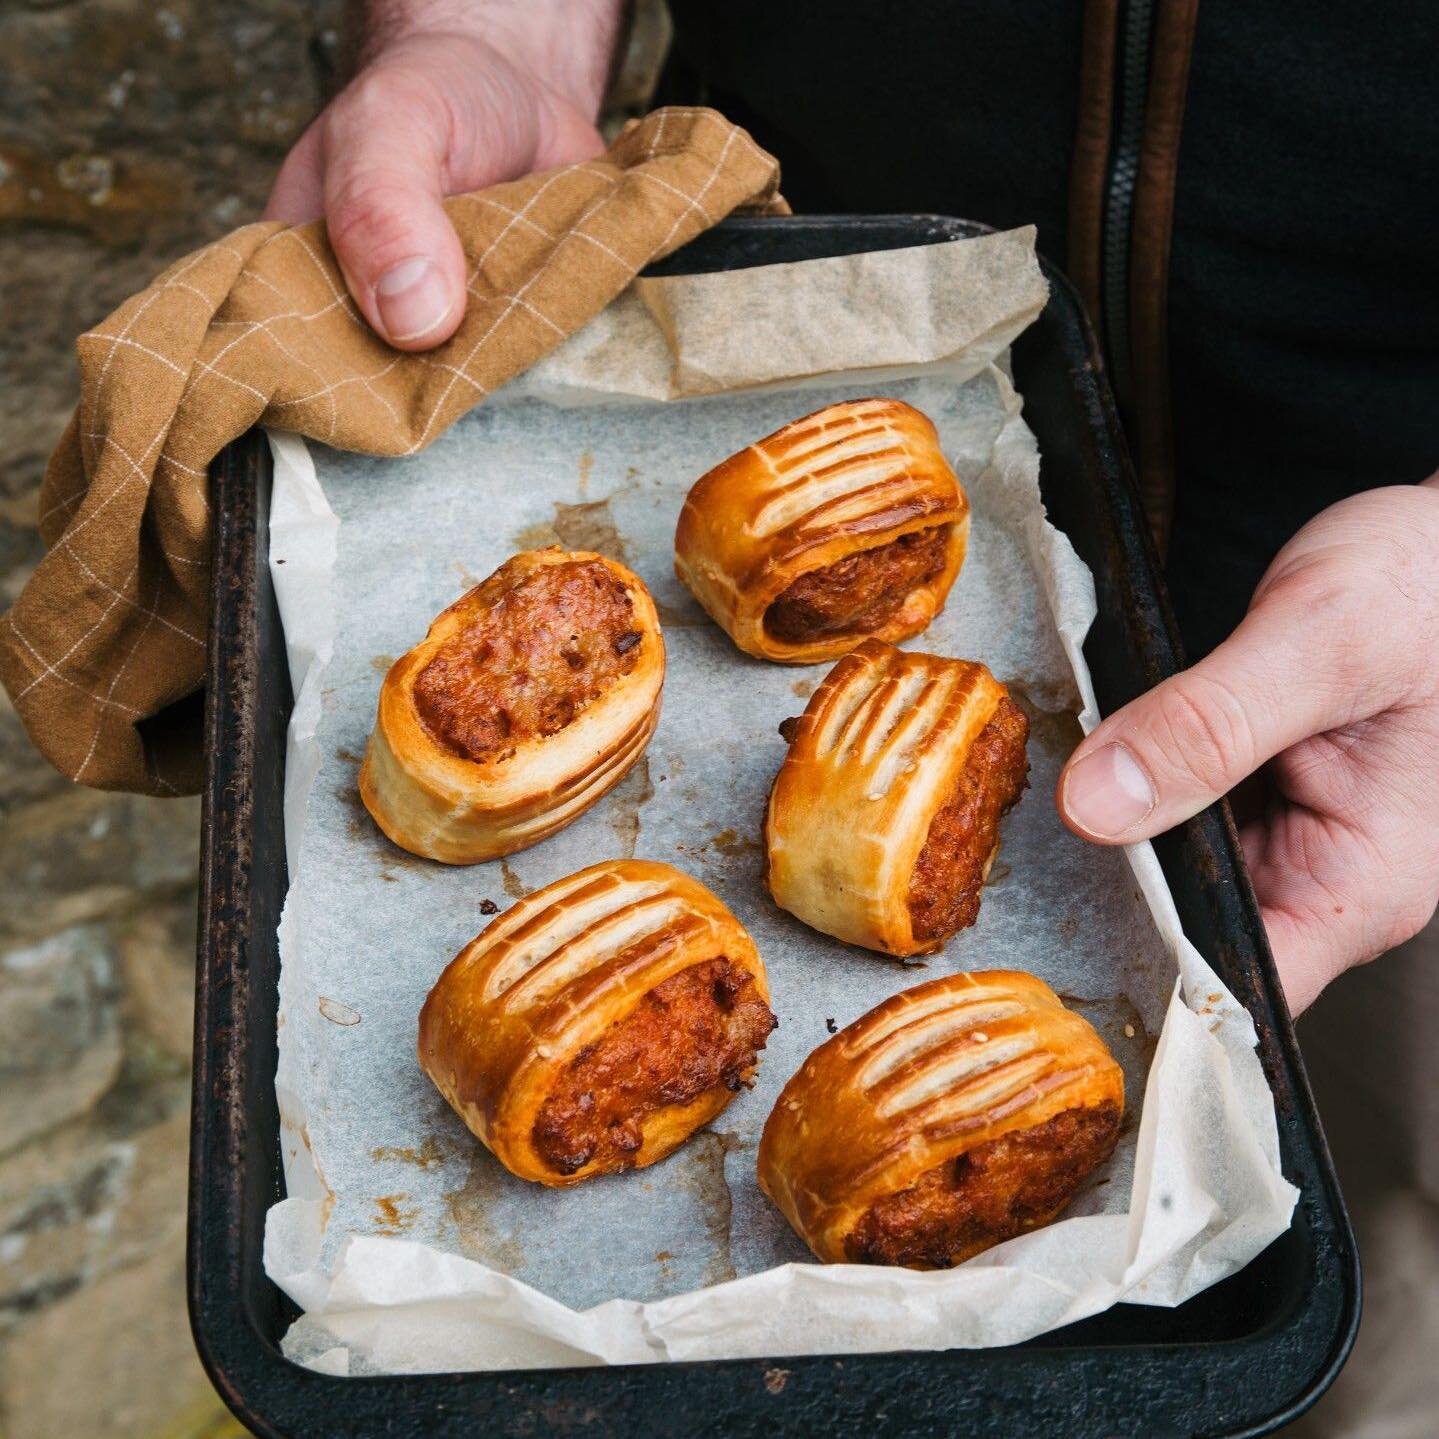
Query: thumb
1172	752
384	159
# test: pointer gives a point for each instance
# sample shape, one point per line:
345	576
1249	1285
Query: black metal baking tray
1243	1358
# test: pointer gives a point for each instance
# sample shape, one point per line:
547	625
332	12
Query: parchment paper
407	1245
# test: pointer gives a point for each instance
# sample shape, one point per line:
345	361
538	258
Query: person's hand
1332	680
450	97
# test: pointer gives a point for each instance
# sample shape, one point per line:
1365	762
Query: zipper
1131	89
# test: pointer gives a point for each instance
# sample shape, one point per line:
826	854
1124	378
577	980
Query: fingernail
412	299
1108	792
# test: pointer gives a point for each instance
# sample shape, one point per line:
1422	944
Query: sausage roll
884	818
529	698
597	1024
844	524
953	1116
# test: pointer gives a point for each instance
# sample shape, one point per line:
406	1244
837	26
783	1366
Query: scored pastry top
637	917
545	982
843	524
932	1073
872	760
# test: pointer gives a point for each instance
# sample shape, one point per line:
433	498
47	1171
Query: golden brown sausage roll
529	698
597	1024
884	818
845	524
955	1115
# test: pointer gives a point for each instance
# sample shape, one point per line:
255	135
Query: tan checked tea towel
257	329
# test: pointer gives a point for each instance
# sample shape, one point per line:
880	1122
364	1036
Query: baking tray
1243	1358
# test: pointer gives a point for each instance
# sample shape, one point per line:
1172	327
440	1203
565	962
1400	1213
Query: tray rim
250	1372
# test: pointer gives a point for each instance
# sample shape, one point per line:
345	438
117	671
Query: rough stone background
130	134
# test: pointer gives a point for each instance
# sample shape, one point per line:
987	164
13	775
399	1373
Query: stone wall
130	134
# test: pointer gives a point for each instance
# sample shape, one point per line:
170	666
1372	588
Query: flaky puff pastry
876	756
952	1116
435	799
529	1032
848	479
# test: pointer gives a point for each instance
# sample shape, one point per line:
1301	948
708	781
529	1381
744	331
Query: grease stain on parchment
514	886
706	1181
427	1156
393	1214
536	537
470	1207
348	756
624	803
588	525
587	468
381	663
735	846
395	857
729	843
362	827
358	820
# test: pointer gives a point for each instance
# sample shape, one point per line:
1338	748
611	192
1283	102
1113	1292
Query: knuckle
367	216
1337	606
1373	606
1202	733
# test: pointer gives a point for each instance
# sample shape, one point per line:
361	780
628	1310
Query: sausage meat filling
948	876
1010	1185
531	659
860	593
701	1027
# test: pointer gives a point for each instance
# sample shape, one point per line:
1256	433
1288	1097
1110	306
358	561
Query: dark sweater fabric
1304	276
